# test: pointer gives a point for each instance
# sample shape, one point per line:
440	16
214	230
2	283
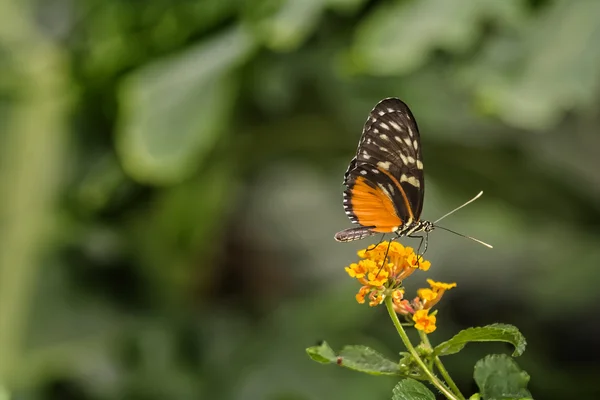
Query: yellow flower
427	294
360	296
378	273
378	280
424	265
356	270
397	296
376	298
424	322
437	286
432	296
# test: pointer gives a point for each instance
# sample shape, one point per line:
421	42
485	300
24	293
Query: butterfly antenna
465	236
460	234
458	208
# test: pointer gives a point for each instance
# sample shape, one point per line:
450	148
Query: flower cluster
382	276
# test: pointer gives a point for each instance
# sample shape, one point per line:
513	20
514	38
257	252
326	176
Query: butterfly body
384	181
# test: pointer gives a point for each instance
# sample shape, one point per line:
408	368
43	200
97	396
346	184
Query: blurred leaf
357	358
172	111
287	25
346	5
399	37
409	389
558	71
499	378
173	237
489	333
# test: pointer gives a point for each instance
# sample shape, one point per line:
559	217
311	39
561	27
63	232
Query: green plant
497	375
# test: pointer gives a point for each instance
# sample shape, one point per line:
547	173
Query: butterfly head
427	226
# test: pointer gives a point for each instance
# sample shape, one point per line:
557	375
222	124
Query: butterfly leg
375	245
386	254
423	238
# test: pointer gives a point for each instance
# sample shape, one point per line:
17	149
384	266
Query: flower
427	294
376	298
431	297
397	296
381	270
424	322
440	285
363	291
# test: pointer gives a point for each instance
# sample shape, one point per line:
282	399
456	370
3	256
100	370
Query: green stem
434	380
32	154
441	368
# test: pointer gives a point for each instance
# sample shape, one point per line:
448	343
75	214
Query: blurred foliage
171	184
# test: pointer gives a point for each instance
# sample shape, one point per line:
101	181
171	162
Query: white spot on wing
384	189
375	130
395	126
375	170
410	179
416	145
384	165
384	137
384	126
408	142
391	187
411	160
403	158
410	132
419	164
398	139
391	110
381	112
363	172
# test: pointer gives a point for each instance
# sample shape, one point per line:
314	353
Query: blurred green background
171	183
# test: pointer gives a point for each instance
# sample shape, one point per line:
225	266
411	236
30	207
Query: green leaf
499	378
322	353
554	70
397	37
289	23
489	333
357	358
173	111
409	389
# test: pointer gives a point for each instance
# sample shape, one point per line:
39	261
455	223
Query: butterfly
385	184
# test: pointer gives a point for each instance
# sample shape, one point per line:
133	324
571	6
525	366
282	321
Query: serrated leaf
173	110
500	378
357	358
410	389
489	333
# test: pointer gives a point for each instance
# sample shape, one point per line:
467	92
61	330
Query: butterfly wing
384	181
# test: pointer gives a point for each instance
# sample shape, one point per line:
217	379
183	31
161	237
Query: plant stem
434	380
441	368
32	152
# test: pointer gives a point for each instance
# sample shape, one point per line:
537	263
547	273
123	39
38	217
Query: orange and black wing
385	181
